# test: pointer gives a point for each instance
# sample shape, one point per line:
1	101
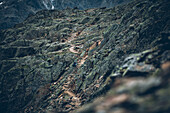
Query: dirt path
70	39
72	49
82	61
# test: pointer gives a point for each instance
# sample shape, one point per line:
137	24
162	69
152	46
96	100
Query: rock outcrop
57	61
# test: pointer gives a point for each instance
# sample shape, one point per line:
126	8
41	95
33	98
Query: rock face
56	61
15	11
85	4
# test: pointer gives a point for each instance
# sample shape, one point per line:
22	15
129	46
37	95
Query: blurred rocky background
15	11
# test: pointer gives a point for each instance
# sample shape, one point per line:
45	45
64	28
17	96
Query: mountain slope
15	11
56	61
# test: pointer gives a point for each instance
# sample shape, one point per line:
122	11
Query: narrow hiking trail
72	49
70	39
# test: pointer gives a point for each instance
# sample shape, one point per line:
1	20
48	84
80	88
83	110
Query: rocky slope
84	4
56	61
15	11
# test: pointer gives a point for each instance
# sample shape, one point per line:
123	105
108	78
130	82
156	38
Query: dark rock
21	52
7	53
